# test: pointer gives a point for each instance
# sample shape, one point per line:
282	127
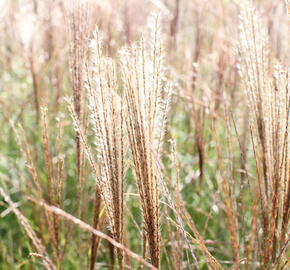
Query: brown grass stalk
86	227
146	104
30	233
78	32
269	100
51	180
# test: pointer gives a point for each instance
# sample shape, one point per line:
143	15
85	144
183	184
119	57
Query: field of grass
144	134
